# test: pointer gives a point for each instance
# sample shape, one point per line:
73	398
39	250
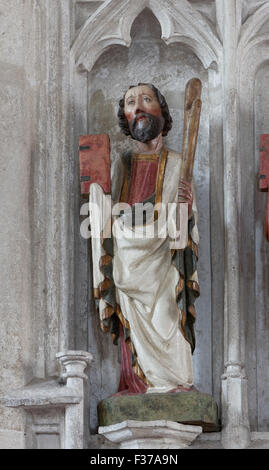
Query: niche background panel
262	257
168	67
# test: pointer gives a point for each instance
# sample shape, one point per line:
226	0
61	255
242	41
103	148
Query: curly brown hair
123	123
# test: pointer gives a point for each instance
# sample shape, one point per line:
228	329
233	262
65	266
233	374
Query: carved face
143	113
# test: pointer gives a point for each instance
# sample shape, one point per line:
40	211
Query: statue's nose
139	109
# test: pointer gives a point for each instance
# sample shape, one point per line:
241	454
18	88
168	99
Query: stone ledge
208	441
41	393
192	408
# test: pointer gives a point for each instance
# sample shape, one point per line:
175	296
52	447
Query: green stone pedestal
184	407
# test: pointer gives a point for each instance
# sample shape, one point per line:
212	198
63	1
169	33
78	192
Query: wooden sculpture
145	289
264	175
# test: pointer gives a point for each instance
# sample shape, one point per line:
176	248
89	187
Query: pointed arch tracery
111	25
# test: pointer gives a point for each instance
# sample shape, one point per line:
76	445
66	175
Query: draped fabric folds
146	290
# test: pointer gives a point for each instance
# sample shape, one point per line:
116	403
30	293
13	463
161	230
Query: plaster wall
169	68
261	112
49	98
15	236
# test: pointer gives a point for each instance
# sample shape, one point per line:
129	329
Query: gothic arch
179	22
250	39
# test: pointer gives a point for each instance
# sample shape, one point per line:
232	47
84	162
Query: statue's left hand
185	194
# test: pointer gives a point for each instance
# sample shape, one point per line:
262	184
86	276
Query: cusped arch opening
170	25
146	25
144	29
148	59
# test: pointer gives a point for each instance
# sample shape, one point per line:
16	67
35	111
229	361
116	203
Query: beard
145	130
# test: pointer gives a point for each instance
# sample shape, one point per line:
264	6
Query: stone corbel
55	407
161	434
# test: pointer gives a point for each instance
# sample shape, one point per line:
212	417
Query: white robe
146	280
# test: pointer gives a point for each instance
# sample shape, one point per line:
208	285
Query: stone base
159	434
193	408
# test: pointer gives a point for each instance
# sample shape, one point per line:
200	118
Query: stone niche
259	331
65	67
169	67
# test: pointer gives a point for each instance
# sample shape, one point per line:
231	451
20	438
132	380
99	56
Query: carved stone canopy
110	25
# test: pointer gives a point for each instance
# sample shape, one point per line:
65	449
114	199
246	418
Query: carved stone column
73	365
54	408
16	115
235	432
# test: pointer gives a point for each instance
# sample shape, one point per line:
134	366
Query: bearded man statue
146	289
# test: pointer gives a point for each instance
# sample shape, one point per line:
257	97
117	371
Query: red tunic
144	172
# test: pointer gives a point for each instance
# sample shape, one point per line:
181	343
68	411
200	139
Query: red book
94	161
264	175
264	162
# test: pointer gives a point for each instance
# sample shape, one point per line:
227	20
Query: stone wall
64	66
16	361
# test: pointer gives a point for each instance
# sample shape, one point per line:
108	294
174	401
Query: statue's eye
131	102
147	99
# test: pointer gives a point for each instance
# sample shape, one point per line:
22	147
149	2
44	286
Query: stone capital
74	363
